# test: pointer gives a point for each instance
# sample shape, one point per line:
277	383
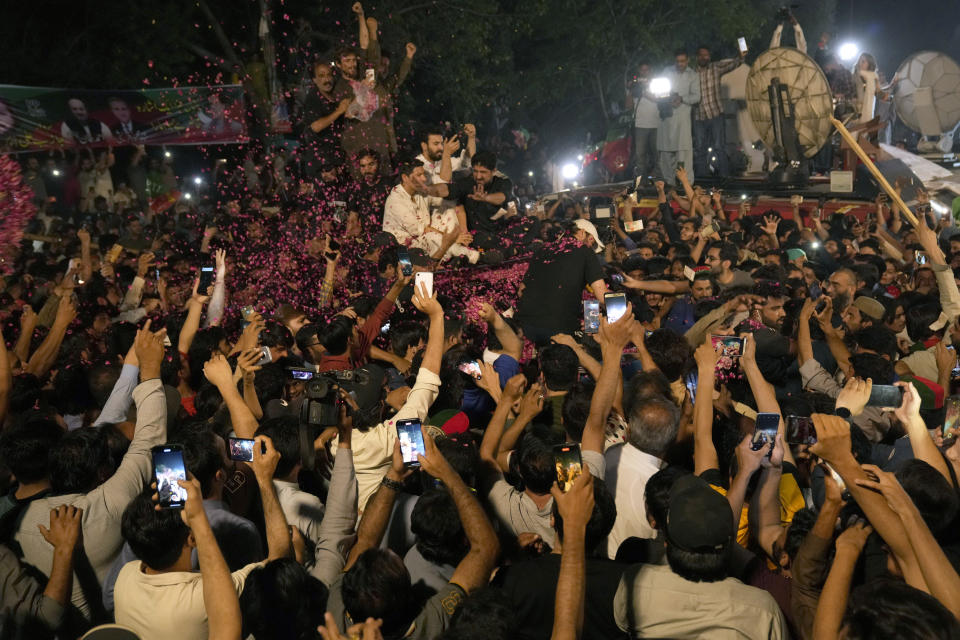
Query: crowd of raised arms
407	406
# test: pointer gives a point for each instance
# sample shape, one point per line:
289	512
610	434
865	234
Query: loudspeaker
866	186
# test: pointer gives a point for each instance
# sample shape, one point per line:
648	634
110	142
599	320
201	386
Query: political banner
38	118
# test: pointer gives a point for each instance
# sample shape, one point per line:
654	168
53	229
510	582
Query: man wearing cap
694	596
864	312
553	286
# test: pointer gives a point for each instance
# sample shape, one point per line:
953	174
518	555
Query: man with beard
322	118
773	348
862	313
841	287
373	190
437	153
80	128
721	259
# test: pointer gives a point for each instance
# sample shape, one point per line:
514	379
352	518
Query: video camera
321	403
784	13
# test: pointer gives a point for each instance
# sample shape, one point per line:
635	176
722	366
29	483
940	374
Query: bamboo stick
868	163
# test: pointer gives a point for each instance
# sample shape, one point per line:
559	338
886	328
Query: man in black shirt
373	190
479	197
553	287
322	118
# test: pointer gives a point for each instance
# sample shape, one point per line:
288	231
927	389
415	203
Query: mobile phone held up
616	305
426	279
411	442
766	430
885	395
406	266
591	316
241	449
168	470
742	44
732	346
953	412
569	464
206	280
471	368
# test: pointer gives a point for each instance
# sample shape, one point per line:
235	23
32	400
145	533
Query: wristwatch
843	412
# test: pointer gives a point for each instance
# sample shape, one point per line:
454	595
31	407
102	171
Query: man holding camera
646	119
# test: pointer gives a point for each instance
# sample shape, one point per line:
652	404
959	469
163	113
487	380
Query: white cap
587	226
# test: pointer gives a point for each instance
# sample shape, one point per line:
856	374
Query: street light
198	180
569	171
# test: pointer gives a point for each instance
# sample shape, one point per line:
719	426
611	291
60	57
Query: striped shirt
709	106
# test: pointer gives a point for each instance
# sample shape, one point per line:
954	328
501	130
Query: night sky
893	29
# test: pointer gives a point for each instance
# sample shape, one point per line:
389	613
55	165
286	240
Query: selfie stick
868	163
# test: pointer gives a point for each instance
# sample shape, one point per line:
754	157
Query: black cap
699	518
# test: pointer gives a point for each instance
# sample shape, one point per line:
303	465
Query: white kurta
676	132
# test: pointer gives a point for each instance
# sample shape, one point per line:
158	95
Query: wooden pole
868	163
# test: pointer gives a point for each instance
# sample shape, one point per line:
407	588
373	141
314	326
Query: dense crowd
410	405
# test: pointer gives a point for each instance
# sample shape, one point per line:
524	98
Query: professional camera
785	13
321	403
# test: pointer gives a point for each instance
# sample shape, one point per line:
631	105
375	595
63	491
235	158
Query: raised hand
217	371
265	459
432	461
854	537
854	395
889	487
427	304
833	438
149	349
411	50
576	505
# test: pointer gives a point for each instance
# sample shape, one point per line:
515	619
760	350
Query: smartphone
245	313
616	305
821	306
299	373
265	356
633	225
371	75
953	412
689	273
591	316
885	395
114	253
406	267
710	230
241	449
569	465
471	368
742	43
691	383
766	430
800	430
732	345
206	280
616	278
815	290
680	164
411	441
920	257
836	476
425	277
168	469
334	245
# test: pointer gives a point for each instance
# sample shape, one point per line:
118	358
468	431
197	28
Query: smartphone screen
920	257
815	290
953	412
836	476
406	267
411	441
168	469
766	429
300	374
591	316
566	458
691	383
885	395
616	304
616	278
241	449
425	277
206	279
800	430
471	368
742	43
732	346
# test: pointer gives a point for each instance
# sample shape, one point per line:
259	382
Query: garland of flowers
16	210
